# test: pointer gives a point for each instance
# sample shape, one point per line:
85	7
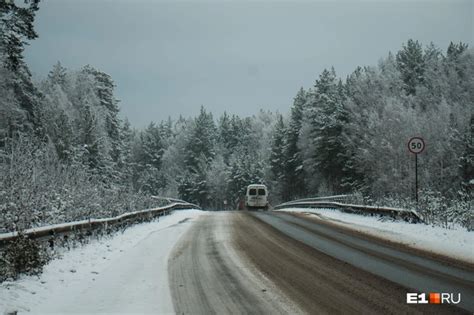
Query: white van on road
256	197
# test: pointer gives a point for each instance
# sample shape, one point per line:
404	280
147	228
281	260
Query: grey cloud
168	58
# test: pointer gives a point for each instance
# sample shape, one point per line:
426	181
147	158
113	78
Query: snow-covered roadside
457	243
126	273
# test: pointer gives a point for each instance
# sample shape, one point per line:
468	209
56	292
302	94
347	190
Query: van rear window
252	192
261	192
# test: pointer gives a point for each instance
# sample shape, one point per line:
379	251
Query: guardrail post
51	243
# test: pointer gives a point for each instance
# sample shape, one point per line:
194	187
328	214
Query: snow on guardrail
91	224
337	198
324	202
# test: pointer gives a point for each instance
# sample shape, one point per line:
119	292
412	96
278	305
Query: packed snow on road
124	273
456	242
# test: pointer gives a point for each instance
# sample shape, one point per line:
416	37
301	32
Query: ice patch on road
456	243
124	273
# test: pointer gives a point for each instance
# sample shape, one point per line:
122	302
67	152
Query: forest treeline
65	153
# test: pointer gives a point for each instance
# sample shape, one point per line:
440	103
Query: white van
256	197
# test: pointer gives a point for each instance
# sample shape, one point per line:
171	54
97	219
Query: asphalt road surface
271	262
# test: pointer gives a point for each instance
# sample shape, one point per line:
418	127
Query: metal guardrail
93	224
405	214
337	198
169	200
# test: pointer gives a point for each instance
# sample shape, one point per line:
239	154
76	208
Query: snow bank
457	243
126	273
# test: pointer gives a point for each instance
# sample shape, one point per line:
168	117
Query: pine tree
411	65
91	142
328	119
456	67
64	141
294	173
58	75
166	130
199	153
104	90
55	114
365	90
225	136
149	154
454	51
202	141
11	115
16	25
152	147
125	163
217	177
277	160
392	83
431	91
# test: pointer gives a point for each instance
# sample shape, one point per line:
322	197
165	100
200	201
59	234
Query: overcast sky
168	58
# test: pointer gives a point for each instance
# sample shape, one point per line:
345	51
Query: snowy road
419	271
208	274
195	262
244	262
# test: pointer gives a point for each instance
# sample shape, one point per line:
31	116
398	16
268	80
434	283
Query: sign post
416	145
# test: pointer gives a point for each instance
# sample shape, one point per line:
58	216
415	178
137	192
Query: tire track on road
319	283
208	277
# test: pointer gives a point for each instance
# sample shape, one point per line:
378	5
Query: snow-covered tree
278	161
327	117
411	65
294	171
16	27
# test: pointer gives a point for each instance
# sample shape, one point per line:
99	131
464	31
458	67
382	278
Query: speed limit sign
416	145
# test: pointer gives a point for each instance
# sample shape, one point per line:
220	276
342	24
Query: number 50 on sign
416	145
